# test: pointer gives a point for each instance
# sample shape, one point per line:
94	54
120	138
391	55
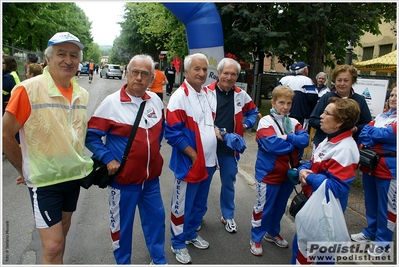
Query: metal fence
20	56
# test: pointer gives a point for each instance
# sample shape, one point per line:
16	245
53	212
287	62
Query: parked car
268	82
111	70
85	68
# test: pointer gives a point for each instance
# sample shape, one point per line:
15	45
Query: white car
111	70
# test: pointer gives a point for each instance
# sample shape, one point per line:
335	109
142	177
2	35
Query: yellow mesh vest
53	137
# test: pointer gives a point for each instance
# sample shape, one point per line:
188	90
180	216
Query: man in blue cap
305	92
50	112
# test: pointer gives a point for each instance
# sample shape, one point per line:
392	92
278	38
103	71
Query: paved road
89	241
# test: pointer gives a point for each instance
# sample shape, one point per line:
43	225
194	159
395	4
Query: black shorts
49	202
91	71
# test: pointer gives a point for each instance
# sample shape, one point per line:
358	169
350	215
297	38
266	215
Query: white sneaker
230	225
182	255
278	240
360	238
198	242
256	248
378	251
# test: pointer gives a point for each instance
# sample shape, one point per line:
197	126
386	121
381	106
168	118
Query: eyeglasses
328	113
143	74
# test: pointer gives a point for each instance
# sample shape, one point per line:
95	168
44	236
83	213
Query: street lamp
349	49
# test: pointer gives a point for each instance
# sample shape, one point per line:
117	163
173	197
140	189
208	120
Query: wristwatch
222	131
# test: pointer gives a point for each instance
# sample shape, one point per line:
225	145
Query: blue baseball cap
299	65
63	37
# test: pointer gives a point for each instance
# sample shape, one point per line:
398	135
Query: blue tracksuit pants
380	202
152	214
188	206
228	171
270	206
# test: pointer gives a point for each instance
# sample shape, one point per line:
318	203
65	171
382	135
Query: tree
133	36
93	52
313	32
150	28
31	25
119	52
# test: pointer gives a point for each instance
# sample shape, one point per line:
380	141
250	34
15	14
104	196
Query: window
368	53
385	49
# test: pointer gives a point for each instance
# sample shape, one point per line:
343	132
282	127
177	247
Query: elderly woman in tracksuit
380	183
277	136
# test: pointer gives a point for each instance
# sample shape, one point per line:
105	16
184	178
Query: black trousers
169	86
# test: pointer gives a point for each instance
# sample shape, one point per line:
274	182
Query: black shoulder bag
99	176
369	158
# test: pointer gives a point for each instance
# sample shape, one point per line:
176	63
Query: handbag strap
385	152
282	132
131	137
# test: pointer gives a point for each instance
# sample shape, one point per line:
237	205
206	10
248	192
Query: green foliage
31	25
93	52
149	28
308	32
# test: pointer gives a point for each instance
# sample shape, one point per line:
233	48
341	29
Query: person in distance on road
170	73
159	81
91	67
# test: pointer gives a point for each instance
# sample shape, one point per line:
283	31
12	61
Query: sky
104	16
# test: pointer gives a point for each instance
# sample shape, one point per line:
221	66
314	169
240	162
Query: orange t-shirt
19	104
156	86
91	66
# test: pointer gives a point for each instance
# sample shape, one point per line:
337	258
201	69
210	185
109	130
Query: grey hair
49	52
300	71
144	57
228	61
188	59
321	73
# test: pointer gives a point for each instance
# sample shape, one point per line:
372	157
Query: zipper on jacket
148	152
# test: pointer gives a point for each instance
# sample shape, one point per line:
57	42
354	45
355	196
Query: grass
265	107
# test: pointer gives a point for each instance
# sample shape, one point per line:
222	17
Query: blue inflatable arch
204	31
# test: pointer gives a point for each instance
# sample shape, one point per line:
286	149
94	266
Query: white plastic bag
321	222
